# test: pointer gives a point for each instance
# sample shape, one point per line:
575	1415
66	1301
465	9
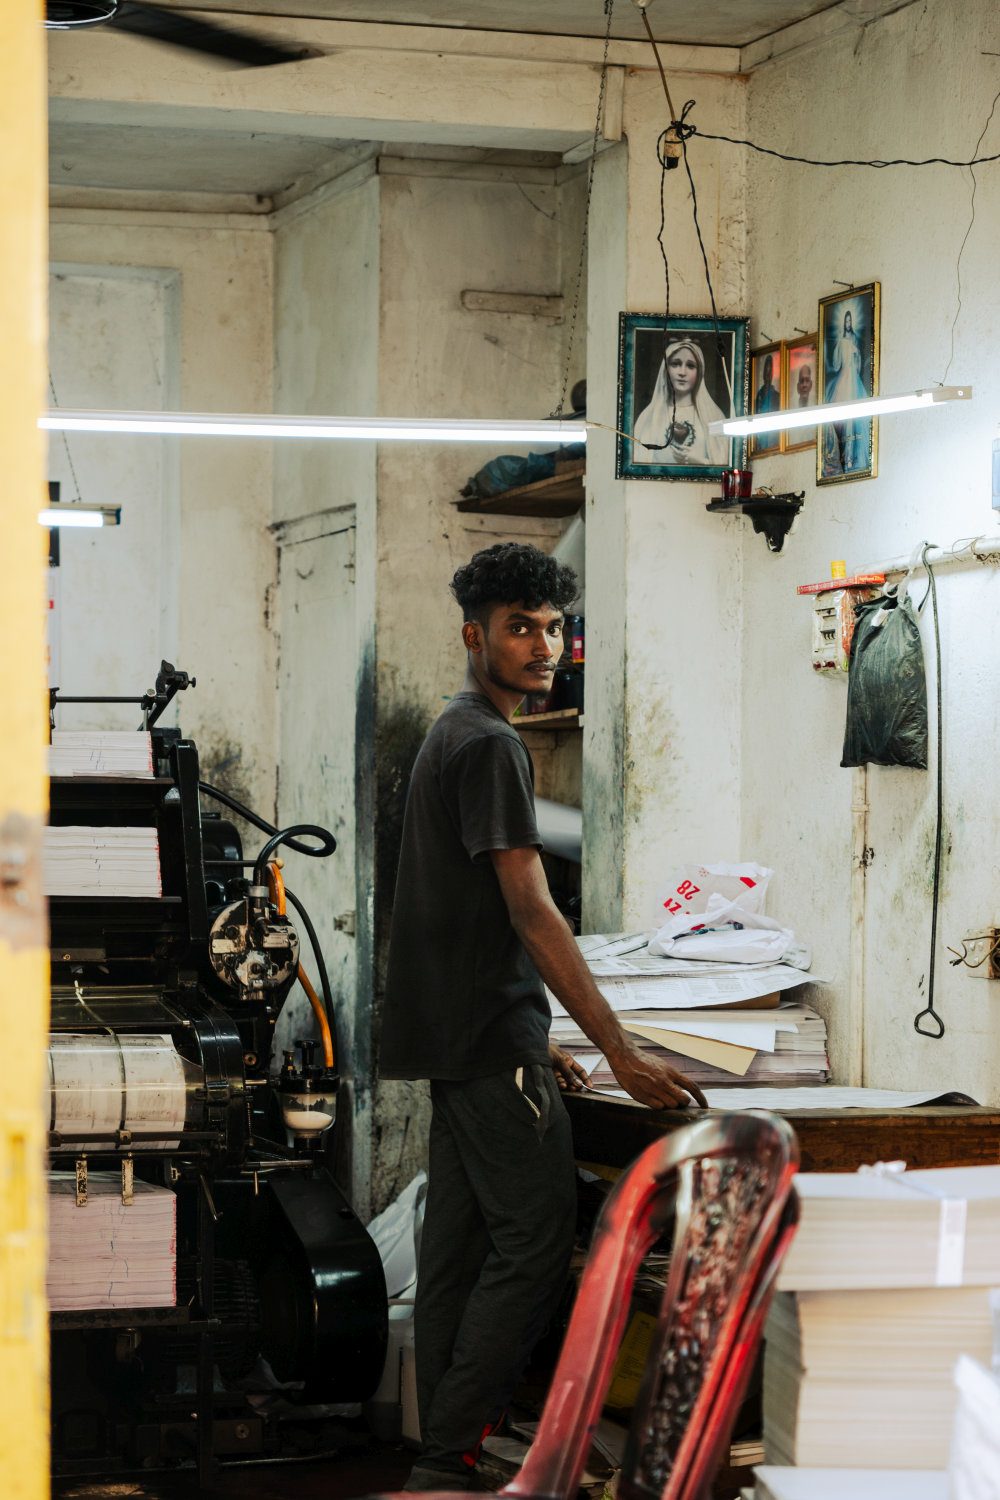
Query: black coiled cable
288	837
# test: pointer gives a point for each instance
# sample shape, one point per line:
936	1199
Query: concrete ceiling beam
423	85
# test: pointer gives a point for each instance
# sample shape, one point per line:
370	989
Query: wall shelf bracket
772	515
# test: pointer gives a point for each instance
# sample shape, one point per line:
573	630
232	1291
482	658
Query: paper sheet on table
718	1054
625	955
823	1096
699	990
758	1035
790	1017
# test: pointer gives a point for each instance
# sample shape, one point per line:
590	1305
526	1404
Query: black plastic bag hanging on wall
887	685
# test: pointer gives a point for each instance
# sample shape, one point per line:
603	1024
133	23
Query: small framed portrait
798	388
847	354
765	395
674	378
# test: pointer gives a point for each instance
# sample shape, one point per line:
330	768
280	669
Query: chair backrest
725	1185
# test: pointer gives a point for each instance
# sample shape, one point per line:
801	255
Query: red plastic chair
725	1185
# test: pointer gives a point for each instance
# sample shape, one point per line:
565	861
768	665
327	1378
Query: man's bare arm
557	958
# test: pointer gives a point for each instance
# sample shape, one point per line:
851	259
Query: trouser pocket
531	1083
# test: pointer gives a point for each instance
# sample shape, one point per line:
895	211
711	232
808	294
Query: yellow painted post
23	946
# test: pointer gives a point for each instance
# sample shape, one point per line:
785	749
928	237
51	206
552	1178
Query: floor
378	1468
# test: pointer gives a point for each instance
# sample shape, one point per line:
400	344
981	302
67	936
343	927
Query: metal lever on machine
169	682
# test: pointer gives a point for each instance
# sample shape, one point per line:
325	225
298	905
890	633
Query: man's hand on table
570	1075
654	1082
543	931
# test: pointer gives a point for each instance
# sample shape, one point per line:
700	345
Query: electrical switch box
980	952
833	628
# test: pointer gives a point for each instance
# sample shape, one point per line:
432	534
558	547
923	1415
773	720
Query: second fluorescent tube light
76	513
838	411
374	429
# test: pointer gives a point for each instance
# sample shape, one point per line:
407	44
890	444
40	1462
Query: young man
474	934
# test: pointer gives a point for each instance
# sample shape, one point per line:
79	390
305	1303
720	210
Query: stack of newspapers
889	1280
101	752
83	860
108	1253
721	1024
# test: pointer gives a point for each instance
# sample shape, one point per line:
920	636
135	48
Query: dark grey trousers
498	1232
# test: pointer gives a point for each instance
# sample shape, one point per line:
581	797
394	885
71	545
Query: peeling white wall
187	575
112	344
448	227
326	363
443	234
661	769
918	83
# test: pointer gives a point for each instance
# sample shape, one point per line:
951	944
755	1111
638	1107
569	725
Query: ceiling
166	160
729	23
139	156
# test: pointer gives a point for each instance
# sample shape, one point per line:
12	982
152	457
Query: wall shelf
562	718
772	515
561	495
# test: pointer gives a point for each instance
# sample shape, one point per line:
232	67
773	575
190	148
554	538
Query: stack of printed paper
718	1023
888	1281
111	1254
869	1373
100	752
787	1045
90	861
895	1229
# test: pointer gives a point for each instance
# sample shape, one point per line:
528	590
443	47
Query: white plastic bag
730	932
396	1232
690	887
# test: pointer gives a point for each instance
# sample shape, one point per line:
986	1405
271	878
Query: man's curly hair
512	573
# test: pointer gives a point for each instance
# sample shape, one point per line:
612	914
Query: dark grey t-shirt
463	999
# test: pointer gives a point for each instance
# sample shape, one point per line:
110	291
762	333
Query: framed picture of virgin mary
674	378
847	359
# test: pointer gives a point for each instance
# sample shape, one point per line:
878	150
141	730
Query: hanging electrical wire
813	161
672	148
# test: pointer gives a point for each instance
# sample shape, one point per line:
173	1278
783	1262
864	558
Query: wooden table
609	1133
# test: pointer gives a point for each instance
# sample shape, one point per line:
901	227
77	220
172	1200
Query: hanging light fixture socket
671	147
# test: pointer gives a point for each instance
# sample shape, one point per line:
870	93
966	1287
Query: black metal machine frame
262	1225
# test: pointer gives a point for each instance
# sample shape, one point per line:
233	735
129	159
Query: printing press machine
163	1013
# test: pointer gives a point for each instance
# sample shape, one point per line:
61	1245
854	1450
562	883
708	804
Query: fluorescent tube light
80	515
374	429
838	411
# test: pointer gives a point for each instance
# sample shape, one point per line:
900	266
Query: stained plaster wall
197	580
448	227
368	317
918	83
327	256
662	738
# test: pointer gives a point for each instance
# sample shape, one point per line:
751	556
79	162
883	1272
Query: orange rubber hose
277	888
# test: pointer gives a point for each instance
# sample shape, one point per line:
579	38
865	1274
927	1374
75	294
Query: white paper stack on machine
108	1253
101	752
890	1278
85	860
